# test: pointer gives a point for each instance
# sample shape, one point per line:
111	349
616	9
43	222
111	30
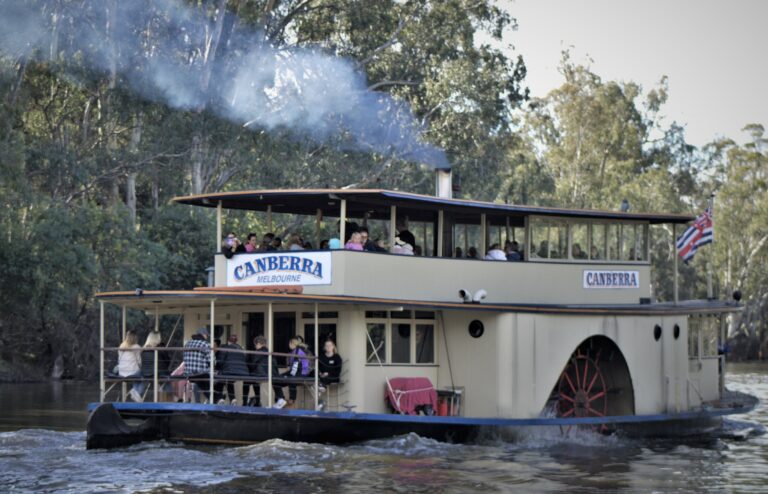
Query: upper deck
567	256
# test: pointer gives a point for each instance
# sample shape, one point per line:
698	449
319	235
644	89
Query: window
401	337
597	245
376	343
579	241
703	335
549	239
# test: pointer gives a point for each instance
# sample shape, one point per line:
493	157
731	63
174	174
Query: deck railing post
343	223
440	227
270	324
392	227
318	227
211	353
157	329
101	351
219	233
123	325
317	353
483	236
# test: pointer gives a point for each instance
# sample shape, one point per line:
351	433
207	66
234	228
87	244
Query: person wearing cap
232	364
404	243
197	360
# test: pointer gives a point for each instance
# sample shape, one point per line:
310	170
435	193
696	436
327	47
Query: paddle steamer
569	336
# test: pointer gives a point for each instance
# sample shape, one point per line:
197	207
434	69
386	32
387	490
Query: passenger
329	364
258	367
154	340
324	244
543	251
129	362
594	253
252	245
513	251
472	253
277	243
298	367
577	253
307	245
295	243
197	360
267	242
334	244
404	243
355	242
232	367
231	245
368	244
495	254
632	256
458	253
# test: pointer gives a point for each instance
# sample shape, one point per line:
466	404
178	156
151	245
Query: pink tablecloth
410	392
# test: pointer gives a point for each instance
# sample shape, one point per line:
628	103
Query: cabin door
285	329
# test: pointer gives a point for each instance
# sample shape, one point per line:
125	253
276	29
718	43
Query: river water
42	449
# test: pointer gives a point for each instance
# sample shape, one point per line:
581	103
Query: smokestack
443	183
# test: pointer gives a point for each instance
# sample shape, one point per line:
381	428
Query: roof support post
269	219
212	363
318	226
506	229
101	351
392	227
219	233
317	352
440	227
154	373
674	276
270	338
343	223
483	235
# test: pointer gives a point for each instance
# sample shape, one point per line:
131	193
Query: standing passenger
197	360
252	245
129	362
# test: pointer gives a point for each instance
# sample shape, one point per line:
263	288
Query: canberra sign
279	268
611	279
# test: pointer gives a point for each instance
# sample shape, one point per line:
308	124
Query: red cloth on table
410	392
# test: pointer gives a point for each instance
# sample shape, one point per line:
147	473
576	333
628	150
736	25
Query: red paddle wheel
581	390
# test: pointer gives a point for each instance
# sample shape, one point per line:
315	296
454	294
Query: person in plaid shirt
197	359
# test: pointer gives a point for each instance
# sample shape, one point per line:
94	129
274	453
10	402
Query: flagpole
674	277
710	205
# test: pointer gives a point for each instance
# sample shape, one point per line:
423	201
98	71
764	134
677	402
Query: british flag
701	232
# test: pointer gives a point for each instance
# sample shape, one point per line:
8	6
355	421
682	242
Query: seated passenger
277	243
295	243
252	245
334	244
231	245
267	242
577	253
197	361
495	254
258	368
594	253
513	251
298	367
404	244
368	244
329	364
231	364
417	250
355	242
472	253
543	251
129	362
324	244
154	340
458	253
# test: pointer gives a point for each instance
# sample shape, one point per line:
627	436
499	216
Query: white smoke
161	50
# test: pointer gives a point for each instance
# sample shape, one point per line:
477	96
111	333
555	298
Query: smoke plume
165	51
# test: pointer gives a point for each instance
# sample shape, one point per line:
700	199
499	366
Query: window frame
389	322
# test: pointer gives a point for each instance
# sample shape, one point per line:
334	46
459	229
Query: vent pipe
443	183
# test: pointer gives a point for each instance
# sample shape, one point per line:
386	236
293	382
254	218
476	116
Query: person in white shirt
495	254
129	361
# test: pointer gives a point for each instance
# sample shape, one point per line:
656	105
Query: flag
701	232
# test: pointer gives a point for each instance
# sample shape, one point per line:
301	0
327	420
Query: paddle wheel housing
595	382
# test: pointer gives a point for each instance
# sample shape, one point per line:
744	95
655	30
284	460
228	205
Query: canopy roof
376	202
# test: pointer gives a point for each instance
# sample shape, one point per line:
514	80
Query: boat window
400	314
378	334
693	337
320	315
425	314
425	343
703	336
376	314
613	242
549	239
641	243
597	242
327	332
401	343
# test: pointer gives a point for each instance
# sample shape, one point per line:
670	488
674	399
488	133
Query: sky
715	53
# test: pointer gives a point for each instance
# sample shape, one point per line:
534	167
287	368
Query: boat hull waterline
114	425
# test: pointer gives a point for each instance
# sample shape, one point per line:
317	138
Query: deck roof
169	301
376	203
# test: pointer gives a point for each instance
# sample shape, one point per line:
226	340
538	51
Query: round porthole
476	329
676	331
657	332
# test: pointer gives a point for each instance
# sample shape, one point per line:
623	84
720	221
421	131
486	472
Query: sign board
279	268
611	279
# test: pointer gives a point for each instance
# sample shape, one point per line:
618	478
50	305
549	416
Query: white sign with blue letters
279	268
611	279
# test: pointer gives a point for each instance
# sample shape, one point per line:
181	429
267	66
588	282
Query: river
42	449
